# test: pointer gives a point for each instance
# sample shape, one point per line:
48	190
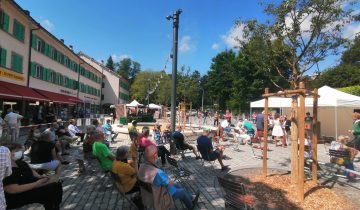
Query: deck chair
206	158
234	191
116	180
178	172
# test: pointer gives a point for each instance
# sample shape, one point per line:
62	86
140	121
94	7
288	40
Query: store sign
11	75
67	92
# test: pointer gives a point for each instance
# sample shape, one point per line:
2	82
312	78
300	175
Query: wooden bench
235	195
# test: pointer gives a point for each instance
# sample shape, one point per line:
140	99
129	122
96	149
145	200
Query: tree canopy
110	64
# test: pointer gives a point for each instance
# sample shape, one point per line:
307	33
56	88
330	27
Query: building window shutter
48	75
5	21
34	41
33	69
3	57
18	30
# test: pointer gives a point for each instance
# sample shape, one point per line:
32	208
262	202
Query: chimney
71	47
27	12
62	40
102	62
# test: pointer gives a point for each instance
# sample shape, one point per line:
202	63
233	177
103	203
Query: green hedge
354	90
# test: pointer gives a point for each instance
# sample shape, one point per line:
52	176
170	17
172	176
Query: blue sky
138	28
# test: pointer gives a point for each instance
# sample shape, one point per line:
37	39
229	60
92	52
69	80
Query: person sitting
124	171
108	131
180	142
133	154
97	125
25	186
241	135
43	155
206	149
166	135
61	144
102	152
33	136
161	185
340	144
133	132
63	134
157	134
75	131
145	141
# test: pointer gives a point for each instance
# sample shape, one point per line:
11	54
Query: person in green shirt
102	152
355	131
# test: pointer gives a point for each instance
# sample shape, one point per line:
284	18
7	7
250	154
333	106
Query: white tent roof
328	97
134	103
154	106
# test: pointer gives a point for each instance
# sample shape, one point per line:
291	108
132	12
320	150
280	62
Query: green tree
311	30
110	64
188	85
129	69
352	54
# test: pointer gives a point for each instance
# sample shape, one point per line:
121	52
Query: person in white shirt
75	131
1	126
5	170
11	120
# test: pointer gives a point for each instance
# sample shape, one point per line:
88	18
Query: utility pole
175	17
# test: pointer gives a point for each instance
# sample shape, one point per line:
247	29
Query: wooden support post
294	141
314	137
264	169
301	119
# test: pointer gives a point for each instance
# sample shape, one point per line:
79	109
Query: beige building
39	73
115	89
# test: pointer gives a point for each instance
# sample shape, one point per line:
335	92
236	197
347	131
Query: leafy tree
311	30
347	73
110	64
129	68
188	85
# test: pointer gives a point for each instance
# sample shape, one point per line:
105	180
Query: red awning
57	97
6	93
74	99
23	92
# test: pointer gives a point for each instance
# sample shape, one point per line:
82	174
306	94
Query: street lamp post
175	17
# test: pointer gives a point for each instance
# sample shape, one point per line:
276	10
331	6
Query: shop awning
74	99
23	92
6	93
56	97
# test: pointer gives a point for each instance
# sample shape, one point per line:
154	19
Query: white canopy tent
335	108
134	103
154	106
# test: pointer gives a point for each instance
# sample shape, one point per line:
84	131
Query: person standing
277	131
355	131
5	170
259	126
216	118
11	120
228	116
308	124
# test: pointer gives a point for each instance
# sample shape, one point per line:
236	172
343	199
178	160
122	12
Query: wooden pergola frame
182	117
297	152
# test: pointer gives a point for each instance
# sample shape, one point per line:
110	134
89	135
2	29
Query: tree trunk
294	141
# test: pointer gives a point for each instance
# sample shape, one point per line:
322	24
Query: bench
235	195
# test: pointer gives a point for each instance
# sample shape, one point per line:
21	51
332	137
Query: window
75	67
40	45
18	30
39	71
16	62
52	76
3	57
4	21
53	53
62	58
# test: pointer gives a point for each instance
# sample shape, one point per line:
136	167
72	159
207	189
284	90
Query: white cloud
351	30
47	24
185	44
233	36
215	46
117	58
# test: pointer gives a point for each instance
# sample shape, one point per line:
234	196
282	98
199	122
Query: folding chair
179	173
206	158
104	176
116	180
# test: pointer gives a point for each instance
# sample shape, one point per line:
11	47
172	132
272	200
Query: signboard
87	121
11	75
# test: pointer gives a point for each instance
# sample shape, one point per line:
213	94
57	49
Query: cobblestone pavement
94	190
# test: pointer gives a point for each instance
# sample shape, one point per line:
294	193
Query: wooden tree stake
264	169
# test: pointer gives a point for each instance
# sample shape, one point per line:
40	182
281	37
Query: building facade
39	74
115	89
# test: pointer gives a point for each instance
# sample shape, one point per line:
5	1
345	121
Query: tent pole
264	169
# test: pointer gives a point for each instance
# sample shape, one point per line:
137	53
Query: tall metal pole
202	100
175	18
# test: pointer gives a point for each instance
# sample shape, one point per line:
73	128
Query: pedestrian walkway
90	190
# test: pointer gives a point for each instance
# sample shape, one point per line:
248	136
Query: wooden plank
301	119
314	139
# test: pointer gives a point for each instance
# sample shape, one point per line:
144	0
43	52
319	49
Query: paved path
89	191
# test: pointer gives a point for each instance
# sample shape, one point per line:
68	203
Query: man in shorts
207	151
180	142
